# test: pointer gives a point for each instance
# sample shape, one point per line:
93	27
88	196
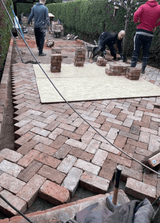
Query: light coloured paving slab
94	82
10	168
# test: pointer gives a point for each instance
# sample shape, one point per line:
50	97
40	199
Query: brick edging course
4	85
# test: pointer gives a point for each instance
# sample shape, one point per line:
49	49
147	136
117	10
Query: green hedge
25	8
88	18
4	31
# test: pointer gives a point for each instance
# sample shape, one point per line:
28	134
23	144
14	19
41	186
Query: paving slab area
55	150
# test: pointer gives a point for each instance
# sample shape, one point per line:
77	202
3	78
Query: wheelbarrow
90	47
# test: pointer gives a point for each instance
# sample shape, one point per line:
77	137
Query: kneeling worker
109	39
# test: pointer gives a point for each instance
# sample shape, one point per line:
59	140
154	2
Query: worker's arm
31	16
137	14
47	17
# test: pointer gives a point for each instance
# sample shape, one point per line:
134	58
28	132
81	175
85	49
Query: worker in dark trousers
109	39
41	19
147	19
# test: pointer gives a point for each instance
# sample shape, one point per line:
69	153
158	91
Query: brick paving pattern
56	150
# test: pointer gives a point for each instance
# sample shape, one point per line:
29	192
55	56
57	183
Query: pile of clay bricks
56	60
56	50
101	61
133	73
117	69
79	57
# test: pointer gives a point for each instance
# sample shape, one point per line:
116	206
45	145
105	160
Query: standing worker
40	14
146	18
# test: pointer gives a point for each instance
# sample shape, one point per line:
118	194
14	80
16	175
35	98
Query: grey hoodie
40	14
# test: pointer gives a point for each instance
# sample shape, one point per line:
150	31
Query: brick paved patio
56	150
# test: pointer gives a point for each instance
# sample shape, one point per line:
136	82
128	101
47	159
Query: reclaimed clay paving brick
10	155
119	159
28	158
45	149
26	147
52	174
108	169
94	183
129	150
17	202
11	183
81	154
59	141
71	135
23	139
67	164
10	168
128	172
48	160
29	172
140	190
150	179
54	193
99	157
86	166
62	152
30	191
72	180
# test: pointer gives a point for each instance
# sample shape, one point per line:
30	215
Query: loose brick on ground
54	193
140	190
94	183
72	180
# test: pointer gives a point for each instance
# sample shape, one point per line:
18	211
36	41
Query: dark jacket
40	14
109	39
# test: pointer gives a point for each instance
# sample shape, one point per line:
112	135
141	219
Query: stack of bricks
56	50
79	57
117	69
56	60
133	73
101	61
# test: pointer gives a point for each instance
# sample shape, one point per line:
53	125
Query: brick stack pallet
101	61
122	69
79	57
133	73
56	60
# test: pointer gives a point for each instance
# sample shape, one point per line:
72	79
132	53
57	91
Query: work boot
134	61
144	63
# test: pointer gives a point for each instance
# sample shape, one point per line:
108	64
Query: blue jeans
40	38
145	42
